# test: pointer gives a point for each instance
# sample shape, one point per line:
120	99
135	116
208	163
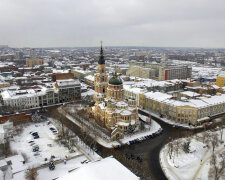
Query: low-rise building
80	73
68	90
183	110
53	93
89	80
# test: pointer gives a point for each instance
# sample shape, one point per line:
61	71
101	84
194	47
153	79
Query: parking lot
39	142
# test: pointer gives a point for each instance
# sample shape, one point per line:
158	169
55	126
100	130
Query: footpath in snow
180	165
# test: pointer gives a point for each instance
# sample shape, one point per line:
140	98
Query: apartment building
174	72
34	62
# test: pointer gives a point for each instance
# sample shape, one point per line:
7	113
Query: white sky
177	23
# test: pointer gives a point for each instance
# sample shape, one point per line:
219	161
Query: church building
111	109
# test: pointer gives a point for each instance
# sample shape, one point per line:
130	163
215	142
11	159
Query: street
148	149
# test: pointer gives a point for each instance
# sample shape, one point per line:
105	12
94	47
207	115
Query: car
52	129
34	133
32	144
35	149
36	154
82	162
36	137
31	141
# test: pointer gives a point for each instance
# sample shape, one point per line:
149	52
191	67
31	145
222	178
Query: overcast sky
52	23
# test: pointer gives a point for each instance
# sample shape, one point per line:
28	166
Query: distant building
62	76
157	71
220	80
141	72
174	72
34	62
4	84
80	73
89	80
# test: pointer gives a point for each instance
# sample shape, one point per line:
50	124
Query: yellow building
220	80
4	84
111	110
34	62
189	111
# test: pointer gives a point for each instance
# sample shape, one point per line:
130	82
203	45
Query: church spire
101	57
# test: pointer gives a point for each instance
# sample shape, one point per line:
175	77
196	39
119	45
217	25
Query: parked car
32	144
36	137
52	129
34	133
35	149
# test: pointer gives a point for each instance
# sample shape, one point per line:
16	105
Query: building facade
220	80
34	62
174	72
183	110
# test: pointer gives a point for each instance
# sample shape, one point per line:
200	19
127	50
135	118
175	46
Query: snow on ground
90	154
194	165
154	127
60	169
47	138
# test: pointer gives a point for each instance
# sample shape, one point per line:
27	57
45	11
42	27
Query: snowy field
47	143
180	165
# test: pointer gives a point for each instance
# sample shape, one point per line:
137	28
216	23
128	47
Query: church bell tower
100	81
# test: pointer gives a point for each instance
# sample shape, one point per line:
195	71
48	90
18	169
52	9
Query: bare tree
177	146
170	149
217	167
205	136
31	174
24	157
221	133
213	140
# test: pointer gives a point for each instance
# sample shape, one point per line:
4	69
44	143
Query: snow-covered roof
59	71
67	82
90	77
125	113
113	170
200	102
121	104
158	96
190	93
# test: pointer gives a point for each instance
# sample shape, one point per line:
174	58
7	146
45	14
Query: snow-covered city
112	90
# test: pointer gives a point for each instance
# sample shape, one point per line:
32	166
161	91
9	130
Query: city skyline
118	23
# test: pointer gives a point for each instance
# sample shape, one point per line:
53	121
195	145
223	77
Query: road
148	149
